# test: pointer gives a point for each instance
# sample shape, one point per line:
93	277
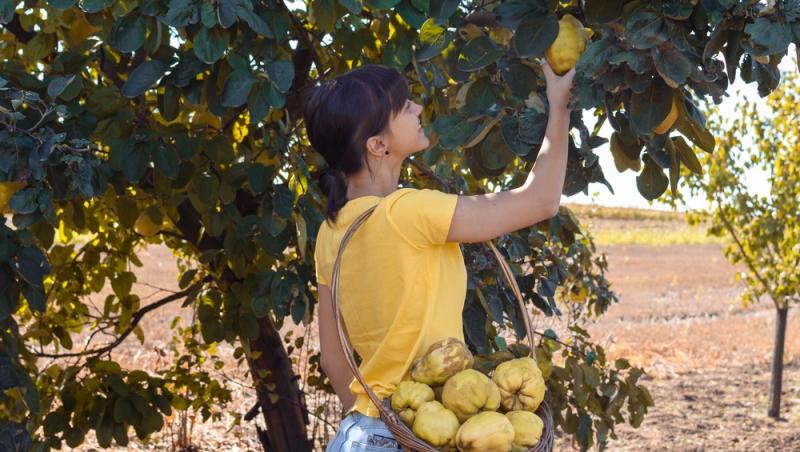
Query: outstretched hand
558	87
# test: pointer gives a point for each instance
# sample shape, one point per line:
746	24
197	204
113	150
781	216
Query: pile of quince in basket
452	406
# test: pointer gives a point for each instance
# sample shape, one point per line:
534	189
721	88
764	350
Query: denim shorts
358	432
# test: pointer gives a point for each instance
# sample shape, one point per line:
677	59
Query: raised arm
479	218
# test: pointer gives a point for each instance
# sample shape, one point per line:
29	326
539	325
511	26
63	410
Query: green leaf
128	33
509	13
208	15
652	183
182	13
672	65
584	430
645	29
382	4
638	61
143	77
397	53
691	123
299	309
126	211
121	434
674	167
237	88
481	98
433	38
410	14
57	85
130	158
716	40
281	72
601	11
323	14
687	155
649	108
220	149
520	78
166	161
534	35
621	152
210	44
477	54
122	410
55	422
441	10
453	130
123	283
254	21
94	6
769	37
105	433
354	6
263	96
24	200
61	4
226	13
258	176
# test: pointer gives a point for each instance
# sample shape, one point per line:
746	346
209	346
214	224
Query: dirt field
707	358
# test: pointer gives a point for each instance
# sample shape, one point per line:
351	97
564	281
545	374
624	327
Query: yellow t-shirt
401	285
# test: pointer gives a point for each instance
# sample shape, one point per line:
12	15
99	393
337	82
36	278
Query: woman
403	278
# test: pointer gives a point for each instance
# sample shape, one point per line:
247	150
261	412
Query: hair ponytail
333	184
341	114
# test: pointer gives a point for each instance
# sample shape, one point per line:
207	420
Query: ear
376	145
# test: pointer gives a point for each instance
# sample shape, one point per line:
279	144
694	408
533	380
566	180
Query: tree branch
136	318
748	261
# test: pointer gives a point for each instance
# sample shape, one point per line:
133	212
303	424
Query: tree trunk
278	393
776	383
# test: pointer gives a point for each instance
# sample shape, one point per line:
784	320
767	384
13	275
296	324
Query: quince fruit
469	392
436	425
527	429
488	431
442	360
564	53
521	384
408	398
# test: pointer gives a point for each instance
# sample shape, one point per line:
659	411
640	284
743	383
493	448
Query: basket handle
344	340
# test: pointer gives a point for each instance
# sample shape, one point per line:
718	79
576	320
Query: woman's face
407	135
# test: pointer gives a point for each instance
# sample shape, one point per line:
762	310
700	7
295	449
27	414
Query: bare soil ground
707	358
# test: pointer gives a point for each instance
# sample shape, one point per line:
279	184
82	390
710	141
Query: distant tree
763	229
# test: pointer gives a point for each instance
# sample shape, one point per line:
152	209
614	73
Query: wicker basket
401	432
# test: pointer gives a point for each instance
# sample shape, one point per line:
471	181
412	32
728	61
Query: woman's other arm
332	357
484	217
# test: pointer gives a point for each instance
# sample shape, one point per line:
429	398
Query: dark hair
340	114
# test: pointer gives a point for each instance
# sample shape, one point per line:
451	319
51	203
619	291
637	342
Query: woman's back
402	286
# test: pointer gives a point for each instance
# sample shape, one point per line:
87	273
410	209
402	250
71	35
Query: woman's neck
381	186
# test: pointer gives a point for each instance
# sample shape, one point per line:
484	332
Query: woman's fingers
548	71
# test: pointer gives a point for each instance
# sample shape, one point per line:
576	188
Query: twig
136	318
747	259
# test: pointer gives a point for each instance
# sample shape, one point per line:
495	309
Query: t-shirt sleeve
423	216
320	260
